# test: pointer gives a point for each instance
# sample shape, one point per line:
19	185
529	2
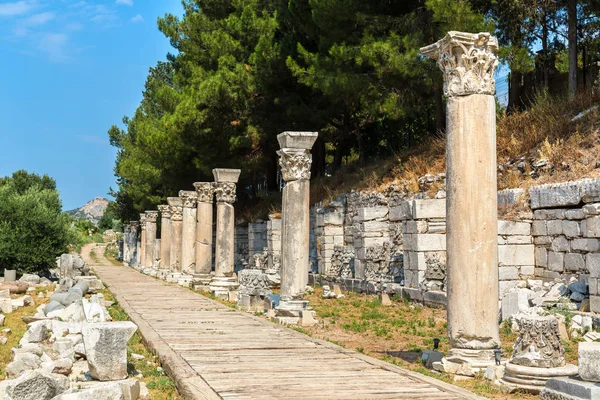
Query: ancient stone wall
257	238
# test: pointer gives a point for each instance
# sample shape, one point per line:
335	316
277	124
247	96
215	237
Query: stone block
539	228
416	227
556	261
508	273
6	305
595	304
519	240
589	361
436	226
106	349
555	195
592	227
549	214
576	214
591	209
554	227
514	303
333	231
509	197
570	388
514	228
592	262
593	286
560	243
571	229
585	245
372	213
401	212
36	385
542	240
506	286
432	298
516	255
429	208
589	189
375	226
329	218
541	257
527	270
574	262
433	242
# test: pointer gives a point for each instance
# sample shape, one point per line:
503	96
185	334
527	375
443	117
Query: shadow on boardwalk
214	352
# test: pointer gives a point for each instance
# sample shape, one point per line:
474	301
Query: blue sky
69	70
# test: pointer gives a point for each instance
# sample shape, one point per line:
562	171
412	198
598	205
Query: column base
465	362
173	277
201	281
220	286
295	312
533	379
162	273
149	271
251	303
185	280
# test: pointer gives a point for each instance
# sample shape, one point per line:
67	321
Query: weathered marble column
176	208
204	232
142	246
151	217
224	279
133	240
468	62
295	161
165	236
126	236
188	231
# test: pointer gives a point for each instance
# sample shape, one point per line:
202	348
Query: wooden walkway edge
214	352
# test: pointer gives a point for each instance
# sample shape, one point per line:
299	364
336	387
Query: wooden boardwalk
215	352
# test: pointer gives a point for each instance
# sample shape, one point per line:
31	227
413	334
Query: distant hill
92	211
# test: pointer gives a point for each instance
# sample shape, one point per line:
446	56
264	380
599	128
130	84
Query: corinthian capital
468	61
225	192
205	191
176	213
165	211
189	198
295	164
151	216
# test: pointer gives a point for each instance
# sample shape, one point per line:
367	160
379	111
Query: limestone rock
62	366
30	278
589	361
105	391
22	362
36	385
37	332
106	348
14	287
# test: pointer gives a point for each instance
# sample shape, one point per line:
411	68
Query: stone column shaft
204	227
295	161
165	236
133	240
468	62
142	247
151	217
176	208
224	279
126	235
188	231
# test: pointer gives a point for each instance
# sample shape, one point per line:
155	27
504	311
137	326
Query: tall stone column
468	62
133	240
224	279
126	236
176	208
165	236
151	217
204	232
188	231
295	161
142	246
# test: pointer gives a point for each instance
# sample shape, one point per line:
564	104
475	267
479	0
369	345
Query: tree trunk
572	35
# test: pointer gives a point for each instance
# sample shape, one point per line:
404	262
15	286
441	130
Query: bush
33	229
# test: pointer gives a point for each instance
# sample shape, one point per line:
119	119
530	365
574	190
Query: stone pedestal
204	233
176	207
468	62
188	231
142	246
254	286
165	236
538	356
224	280
295	161
151	217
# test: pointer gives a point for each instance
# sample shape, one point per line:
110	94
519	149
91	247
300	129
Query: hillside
91	211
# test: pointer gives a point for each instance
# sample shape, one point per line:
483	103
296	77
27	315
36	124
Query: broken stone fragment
36	385
22	362
106	348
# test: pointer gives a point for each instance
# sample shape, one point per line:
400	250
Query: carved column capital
295	164
539	343
205	191
151	216
176	213
189	198
225	192
165	211
134	225
468	62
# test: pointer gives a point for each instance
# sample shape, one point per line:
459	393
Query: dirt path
98	249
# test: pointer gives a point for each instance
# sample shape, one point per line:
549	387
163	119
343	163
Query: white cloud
16	8
39	19
55	46
137	18
125	2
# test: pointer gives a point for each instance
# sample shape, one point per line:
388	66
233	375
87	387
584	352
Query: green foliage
33	228
111	219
